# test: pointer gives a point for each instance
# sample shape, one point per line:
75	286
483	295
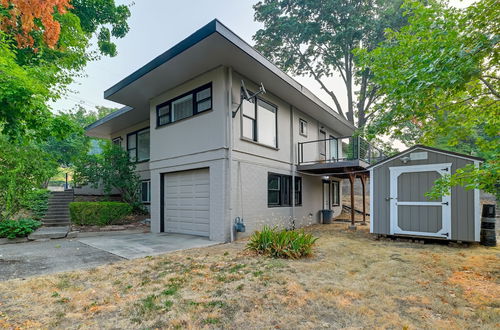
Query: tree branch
490	87
317	78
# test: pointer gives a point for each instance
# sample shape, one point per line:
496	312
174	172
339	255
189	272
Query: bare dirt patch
352	280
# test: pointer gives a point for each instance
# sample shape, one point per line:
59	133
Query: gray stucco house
206	156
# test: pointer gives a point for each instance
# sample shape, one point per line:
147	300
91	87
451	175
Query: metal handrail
356	149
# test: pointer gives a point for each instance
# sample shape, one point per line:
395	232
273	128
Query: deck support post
362	177
352	177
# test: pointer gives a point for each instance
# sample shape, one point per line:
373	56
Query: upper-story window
260	122
184	106
138	145
303	127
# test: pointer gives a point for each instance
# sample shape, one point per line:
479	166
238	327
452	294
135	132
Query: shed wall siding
462	201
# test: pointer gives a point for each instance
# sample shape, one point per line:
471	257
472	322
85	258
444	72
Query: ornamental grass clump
281	243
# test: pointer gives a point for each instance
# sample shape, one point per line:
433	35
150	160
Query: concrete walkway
38	258
141	245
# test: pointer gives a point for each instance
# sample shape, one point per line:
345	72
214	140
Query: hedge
98	213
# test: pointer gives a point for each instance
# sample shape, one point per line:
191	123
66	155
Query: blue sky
157	25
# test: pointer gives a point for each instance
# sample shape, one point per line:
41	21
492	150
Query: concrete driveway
134	246
37	258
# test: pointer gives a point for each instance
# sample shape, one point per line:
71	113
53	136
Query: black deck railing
339	149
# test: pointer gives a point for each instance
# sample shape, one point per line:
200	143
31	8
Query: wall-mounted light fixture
405	159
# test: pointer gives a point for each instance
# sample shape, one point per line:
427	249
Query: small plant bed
18	228
282	243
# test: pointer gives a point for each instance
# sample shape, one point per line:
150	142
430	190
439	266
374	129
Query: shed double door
411	212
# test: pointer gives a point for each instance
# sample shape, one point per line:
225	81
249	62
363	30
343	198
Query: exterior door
187	202
411	213
326	195
334	149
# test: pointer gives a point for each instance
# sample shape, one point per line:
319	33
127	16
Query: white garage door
187	202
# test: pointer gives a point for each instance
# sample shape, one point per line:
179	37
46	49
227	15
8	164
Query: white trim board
372	215
477	211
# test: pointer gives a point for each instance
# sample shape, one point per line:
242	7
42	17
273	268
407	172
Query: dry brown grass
352	280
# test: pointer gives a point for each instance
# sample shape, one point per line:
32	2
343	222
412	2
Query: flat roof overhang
210	47
340	169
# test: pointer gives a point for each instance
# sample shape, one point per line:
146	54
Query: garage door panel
187	202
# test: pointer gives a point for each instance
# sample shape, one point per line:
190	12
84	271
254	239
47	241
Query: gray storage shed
399	207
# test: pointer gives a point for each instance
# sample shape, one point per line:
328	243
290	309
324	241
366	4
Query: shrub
37	201
19	228
98	213
281	243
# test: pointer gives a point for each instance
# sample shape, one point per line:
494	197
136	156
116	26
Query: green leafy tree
317	38
42	50
110	170
23	168
439	78
75	145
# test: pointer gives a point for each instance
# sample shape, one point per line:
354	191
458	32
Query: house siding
193	143
252	162
462	201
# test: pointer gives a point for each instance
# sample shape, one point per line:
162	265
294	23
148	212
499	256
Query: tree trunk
362	99
348	75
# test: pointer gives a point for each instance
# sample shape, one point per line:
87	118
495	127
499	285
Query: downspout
229	143
292	161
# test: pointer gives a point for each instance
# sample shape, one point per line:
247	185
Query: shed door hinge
445	203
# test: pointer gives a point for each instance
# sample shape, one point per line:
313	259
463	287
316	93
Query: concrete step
49	232
53	214
56	224
60	199
59	204
56	218
58	210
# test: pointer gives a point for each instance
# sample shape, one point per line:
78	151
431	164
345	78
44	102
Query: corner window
335	193
279	190
260	122
303	127
138	145
185	106
117	141
146	191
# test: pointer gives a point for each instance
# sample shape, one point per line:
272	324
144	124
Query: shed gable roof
423	147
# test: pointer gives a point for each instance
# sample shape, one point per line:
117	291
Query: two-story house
207	156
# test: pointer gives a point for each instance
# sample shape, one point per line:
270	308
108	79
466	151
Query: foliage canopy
318	37
439	78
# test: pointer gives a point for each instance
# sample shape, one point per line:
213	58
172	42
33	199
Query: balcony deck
337	156
339	168
344	157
